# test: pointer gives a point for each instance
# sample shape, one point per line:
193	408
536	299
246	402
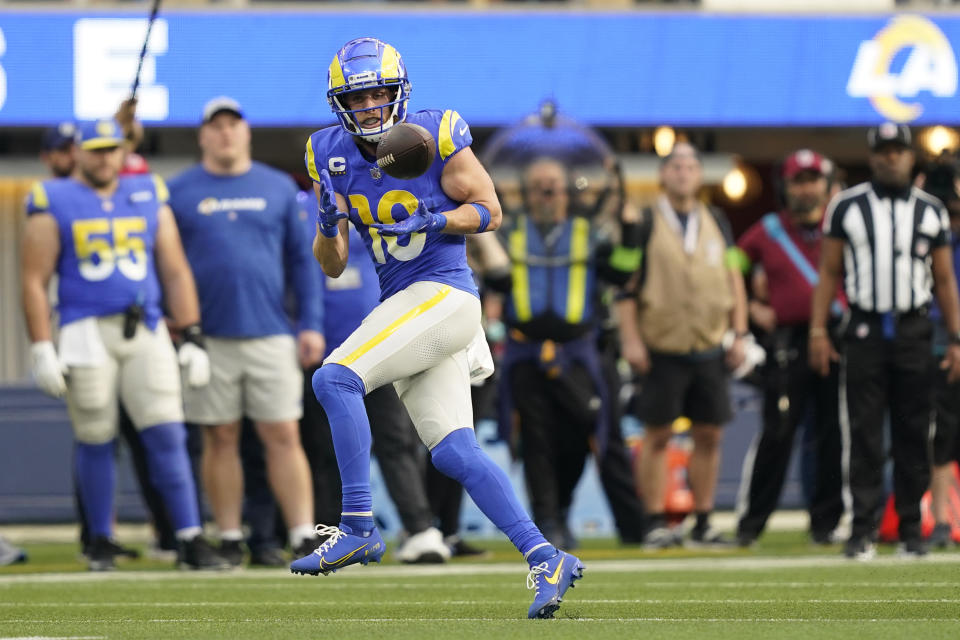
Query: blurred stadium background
744	80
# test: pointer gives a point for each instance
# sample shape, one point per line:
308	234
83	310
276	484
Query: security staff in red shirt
782	251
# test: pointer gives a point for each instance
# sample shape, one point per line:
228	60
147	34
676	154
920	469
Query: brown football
406	151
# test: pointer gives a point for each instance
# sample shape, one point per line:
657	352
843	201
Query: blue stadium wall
35	469
612	69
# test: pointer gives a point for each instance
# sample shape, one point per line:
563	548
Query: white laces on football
536	570
332	533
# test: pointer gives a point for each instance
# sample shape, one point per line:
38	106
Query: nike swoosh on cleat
337	563
556	574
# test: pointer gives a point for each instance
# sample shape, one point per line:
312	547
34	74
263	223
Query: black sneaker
746	540
102	554
659	538
913	548
118	550
232	552
708	538
197	553
307	547
823	538
268	557
462	549
860	549
940	537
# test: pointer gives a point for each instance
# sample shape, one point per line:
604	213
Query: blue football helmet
365	63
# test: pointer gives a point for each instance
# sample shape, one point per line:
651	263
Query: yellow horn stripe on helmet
390	65
336	74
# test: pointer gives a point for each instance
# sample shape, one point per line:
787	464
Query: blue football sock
357	525
96	478
171	473
460	457
341	392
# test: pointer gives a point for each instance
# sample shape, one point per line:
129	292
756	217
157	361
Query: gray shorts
255	377
143	371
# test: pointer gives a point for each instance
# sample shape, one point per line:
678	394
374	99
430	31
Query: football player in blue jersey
112	241
425	335
347	300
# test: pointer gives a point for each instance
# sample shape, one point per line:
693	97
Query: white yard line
558	620
420	603
652	565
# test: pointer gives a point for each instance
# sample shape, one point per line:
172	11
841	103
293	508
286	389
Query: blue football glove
420	220
328	217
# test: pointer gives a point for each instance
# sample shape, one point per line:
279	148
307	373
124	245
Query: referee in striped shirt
891	244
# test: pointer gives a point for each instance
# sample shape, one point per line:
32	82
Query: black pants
881	374
395	444
793	395
260	510
557	417
156	508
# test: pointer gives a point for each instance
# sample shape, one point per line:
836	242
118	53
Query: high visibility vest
559	279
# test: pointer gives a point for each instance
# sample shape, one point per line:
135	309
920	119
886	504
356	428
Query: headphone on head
826	167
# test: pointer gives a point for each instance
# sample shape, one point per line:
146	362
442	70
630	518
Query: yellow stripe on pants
392	328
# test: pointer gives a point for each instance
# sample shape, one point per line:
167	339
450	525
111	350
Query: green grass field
782	589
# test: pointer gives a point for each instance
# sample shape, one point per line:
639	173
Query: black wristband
954	338
193	333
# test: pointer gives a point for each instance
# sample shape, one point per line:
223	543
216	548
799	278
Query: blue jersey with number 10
106	245
373	196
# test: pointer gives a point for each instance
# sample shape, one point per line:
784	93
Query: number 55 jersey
106	245
375	197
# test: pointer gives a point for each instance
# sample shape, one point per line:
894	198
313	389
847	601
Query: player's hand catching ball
328	217
420	220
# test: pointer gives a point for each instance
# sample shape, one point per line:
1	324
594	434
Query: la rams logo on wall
928	64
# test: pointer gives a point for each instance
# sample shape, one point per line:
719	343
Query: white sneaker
10	554
426	547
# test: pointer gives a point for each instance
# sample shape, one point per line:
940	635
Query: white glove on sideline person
754	354
195	360
47	369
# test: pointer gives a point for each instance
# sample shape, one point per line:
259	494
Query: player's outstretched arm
40	247
179	288
465	180
331	252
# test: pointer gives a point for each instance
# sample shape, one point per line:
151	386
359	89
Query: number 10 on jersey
385	216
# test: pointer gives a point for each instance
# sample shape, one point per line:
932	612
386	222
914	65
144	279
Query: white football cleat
426	547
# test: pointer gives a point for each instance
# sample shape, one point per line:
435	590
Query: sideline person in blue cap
56	149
